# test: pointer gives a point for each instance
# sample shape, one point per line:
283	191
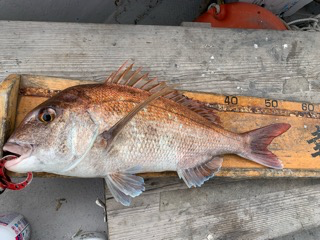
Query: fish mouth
20	151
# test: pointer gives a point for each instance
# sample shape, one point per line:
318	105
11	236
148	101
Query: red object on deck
5	181
241	15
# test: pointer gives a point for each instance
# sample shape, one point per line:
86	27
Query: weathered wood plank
50	83
247	209
9	90
283	65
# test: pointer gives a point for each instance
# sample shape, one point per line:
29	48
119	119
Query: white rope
310	24
216	6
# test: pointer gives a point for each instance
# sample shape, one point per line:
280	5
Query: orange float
241	15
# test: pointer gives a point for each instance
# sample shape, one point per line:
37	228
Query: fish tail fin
257	142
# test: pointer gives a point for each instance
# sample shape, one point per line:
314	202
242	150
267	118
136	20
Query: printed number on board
271	103
307	107
231	100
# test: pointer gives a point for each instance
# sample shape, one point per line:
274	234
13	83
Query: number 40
231	100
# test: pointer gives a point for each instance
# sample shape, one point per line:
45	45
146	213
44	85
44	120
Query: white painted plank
279	64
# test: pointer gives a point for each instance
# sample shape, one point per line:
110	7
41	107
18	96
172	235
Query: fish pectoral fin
124	186
196	176
111	134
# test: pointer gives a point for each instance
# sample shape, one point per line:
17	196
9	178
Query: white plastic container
13	226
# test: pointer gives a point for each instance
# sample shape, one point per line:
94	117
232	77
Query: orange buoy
241	15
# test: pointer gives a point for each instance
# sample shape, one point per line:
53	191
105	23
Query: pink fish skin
70	134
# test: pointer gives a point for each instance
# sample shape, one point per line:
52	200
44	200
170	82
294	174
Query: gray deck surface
282	65
152	12
58	208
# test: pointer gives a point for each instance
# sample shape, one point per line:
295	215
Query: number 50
271	103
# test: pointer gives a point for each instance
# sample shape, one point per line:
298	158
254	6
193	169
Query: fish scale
140	145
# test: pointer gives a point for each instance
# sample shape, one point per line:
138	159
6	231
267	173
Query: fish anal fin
196	176
134	78
124	186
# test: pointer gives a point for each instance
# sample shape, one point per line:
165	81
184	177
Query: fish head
52	137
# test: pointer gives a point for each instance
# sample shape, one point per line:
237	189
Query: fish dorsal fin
196	176
124	186
126	76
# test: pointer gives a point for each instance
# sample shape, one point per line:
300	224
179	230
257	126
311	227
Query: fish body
159	138
86	131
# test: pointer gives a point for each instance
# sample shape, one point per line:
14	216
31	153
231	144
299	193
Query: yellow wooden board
297	148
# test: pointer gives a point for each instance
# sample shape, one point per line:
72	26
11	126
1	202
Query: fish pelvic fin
124	186
196	176
257	142
135	79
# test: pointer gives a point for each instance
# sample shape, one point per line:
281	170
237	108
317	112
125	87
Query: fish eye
47	115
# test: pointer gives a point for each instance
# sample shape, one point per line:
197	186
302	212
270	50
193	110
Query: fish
127	125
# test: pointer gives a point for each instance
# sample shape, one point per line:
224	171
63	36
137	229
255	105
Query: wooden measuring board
298	148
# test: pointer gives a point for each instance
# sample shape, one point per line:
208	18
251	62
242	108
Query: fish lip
23	151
